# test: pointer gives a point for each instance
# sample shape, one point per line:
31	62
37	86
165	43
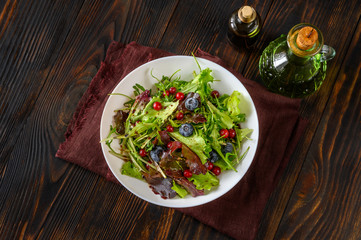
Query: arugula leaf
214	135
215	143
222	118
138	89
206	181
242	133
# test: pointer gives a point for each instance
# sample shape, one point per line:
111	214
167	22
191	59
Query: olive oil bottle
243	27
295	65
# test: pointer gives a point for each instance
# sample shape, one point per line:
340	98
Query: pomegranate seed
216	170
179	115
187	173
147	166
170	128
142	153
179	96
232	133
157	106
166	93
224	133
172	90
215	94
210	165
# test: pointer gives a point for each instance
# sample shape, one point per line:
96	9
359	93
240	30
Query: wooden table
49	52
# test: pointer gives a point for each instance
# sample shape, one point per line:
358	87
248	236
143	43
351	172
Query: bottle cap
246	14
306	38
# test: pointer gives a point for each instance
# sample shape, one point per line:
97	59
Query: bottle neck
304	41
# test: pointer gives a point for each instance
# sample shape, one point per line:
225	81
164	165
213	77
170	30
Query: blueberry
228	148
156	153
191	104
213	156
186	129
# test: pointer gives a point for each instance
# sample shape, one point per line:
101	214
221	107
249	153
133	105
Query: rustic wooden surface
49	52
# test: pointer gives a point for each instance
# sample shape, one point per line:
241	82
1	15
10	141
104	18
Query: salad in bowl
179	136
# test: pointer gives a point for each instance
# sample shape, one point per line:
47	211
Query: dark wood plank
30	38
325	203
32	169
291	13
147	21
190	228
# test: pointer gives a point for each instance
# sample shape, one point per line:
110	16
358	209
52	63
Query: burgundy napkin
238	212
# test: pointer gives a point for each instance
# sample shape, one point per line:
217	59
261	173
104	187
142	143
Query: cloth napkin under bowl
238	212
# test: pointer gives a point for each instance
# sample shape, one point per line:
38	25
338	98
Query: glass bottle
243	27
295	66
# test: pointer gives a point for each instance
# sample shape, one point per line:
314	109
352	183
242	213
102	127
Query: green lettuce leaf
195	143
179	190
200	83
233	106
150	115
129	170
206	181
233	102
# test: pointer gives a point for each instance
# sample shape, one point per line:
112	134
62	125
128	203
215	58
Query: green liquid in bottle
287	74
294	65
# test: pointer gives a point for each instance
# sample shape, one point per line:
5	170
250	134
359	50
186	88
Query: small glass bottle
295	65
243	27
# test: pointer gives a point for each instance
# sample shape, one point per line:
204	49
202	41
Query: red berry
142	153
224	133
147	166
232	133
187	173
169	145
172	90
210	165
157	106
216	170
170	128
179	115
166	93
179	96
215	94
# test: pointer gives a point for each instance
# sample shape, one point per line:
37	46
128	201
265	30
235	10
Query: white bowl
167	66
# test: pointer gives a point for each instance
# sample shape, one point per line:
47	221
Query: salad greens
180	137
